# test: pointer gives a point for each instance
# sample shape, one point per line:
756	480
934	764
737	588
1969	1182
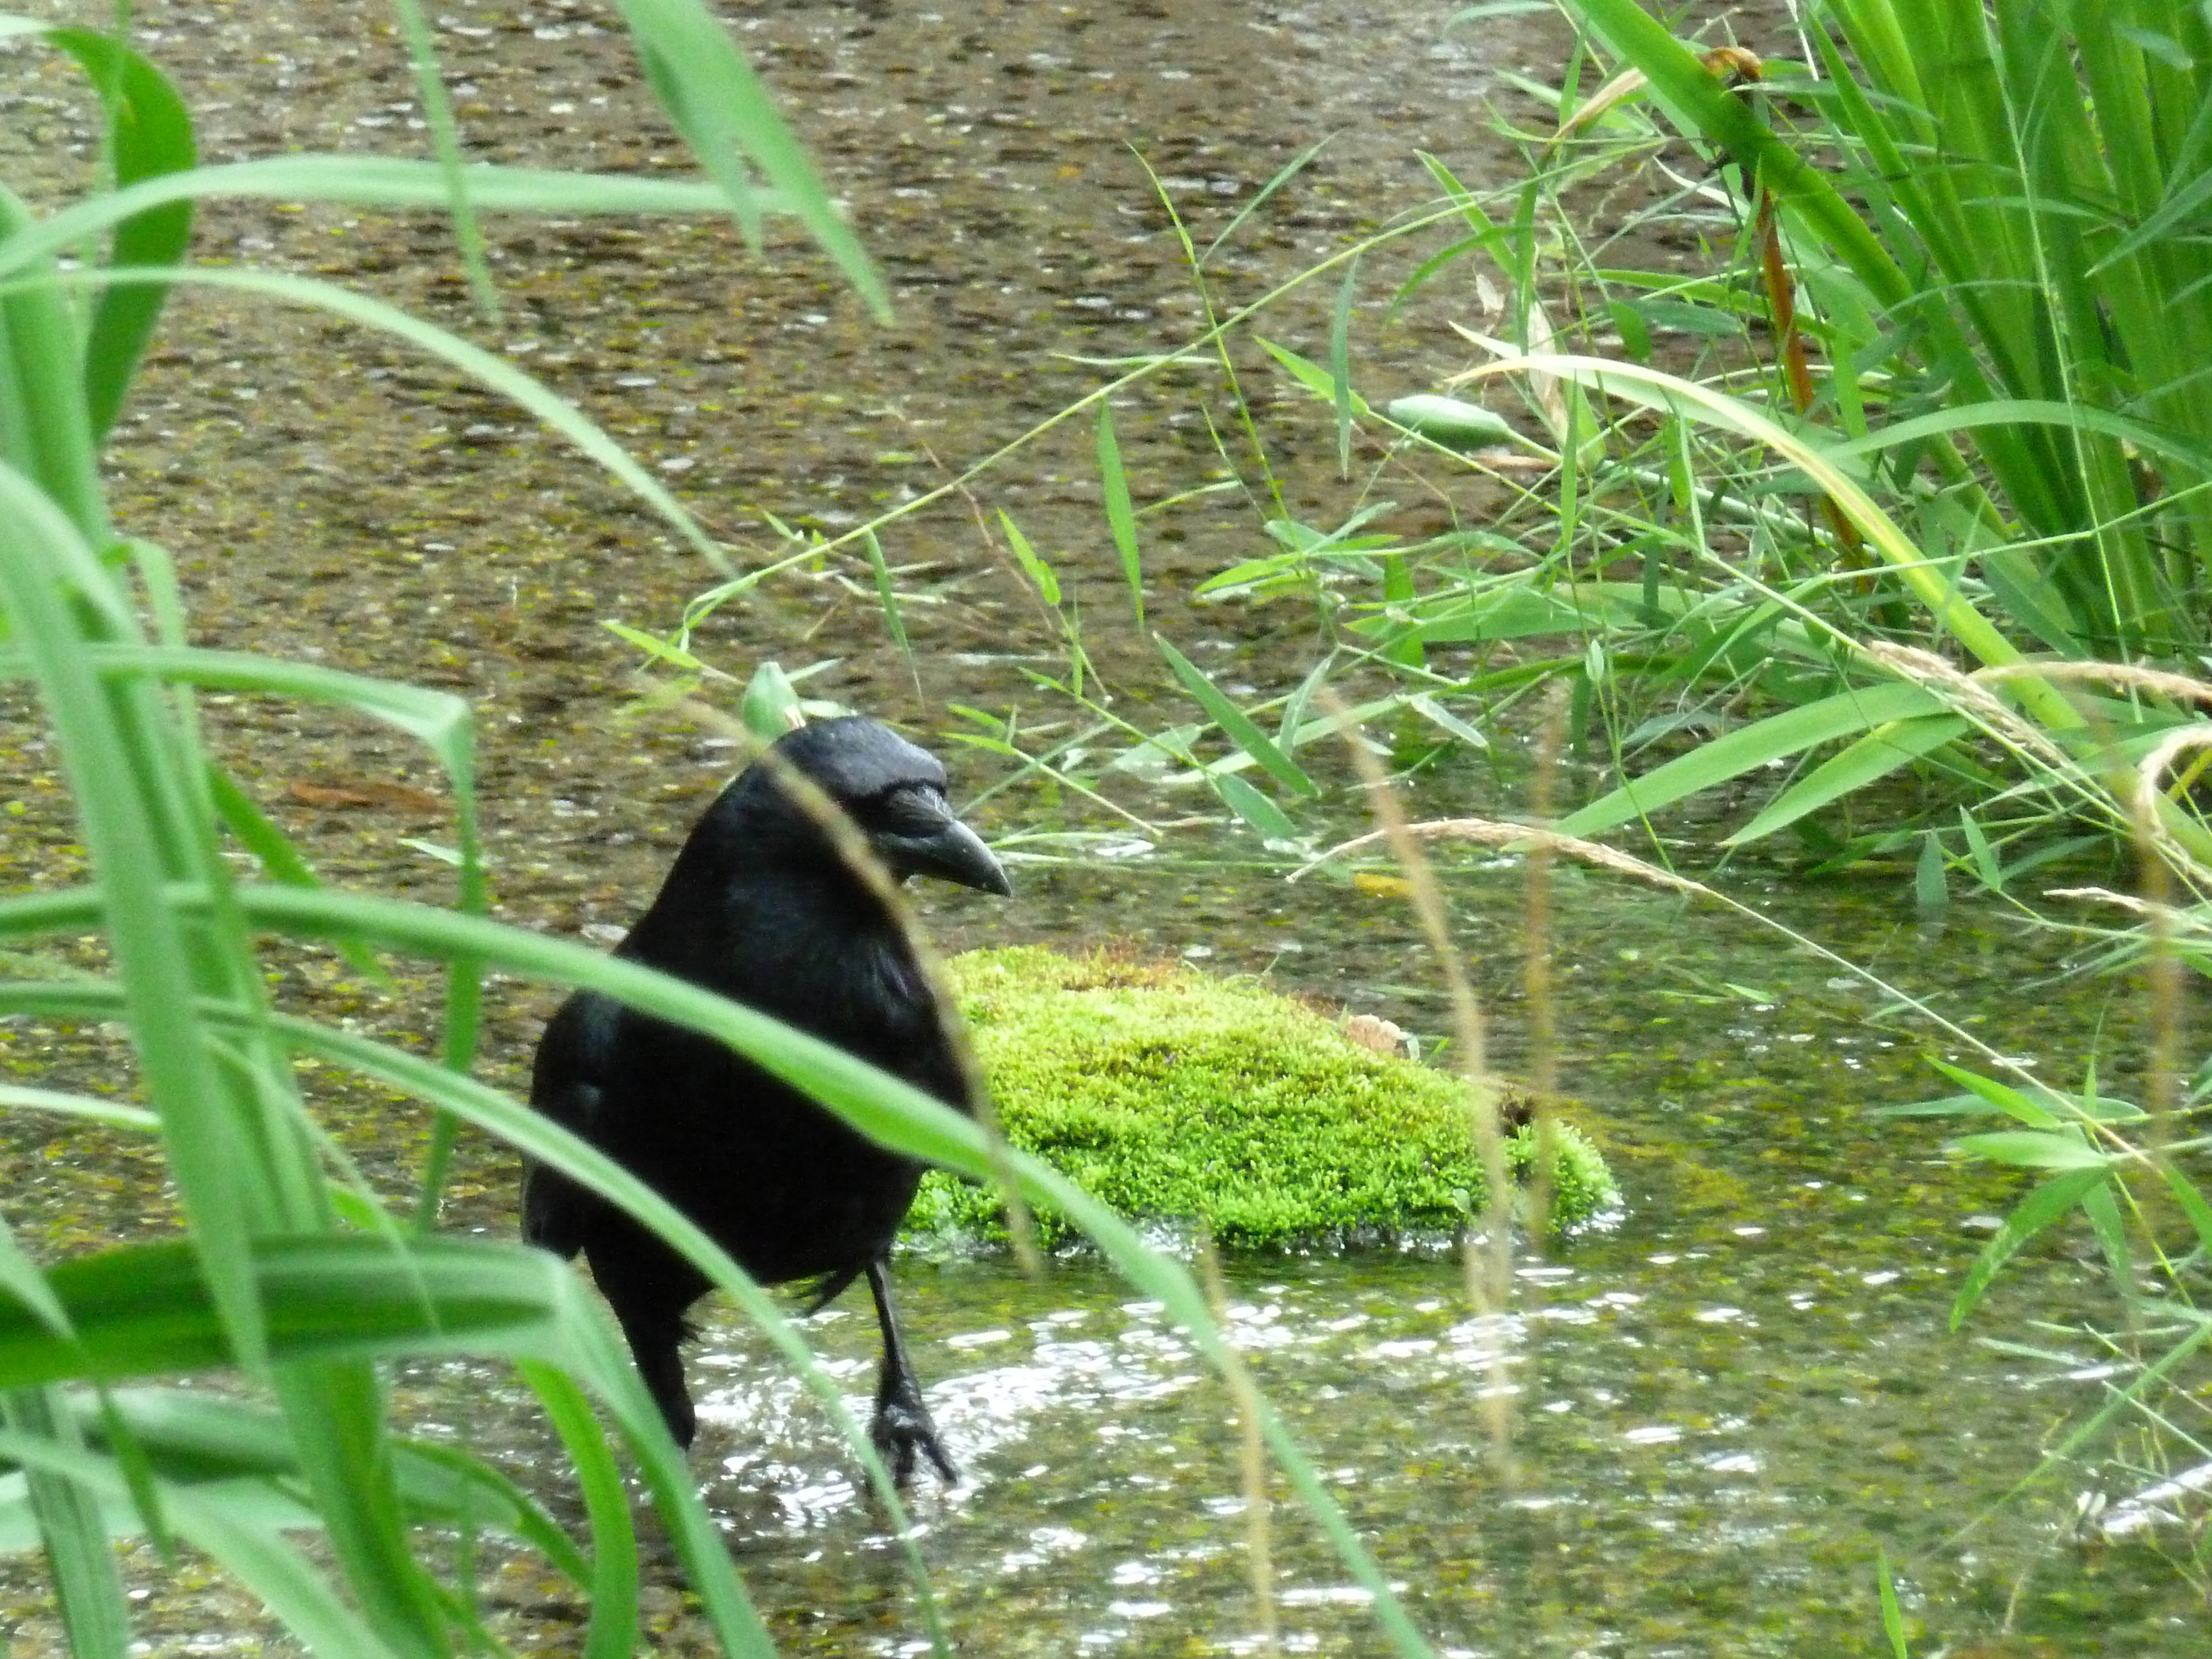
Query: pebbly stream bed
1717	1410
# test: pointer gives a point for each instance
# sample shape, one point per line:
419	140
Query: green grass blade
388	181
2191	1199
445	139
149	133
1295	705
1120	512
887	598
196	1435
2034	1149
1931	886
1445	720
1879	753
259	834
2038	1211
281	1577
146	1309
1668	394
214	1167
486	368
1776	738
1235	725
93	1108
1698	103
279	859
769	702
1398	593
613	1577
2023	589
46	431
2151	437
336	1410
239	1538
713	98
439	721
19	1277
432	717
597	1358
1284	175
654	646
1986	863
2007	1099
2103	1211
1260	813
1312	376
1033	566
74	1531
1340	365
1893	1617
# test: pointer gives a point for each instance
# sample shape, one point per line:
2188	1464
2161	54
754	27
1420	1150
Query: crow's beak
951	851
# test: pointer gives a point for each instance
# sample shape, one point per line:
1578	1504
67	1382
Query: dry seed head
1489	832
1975	698
2179	686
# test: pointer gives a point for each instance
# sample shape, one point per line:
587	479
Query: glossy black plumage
760	906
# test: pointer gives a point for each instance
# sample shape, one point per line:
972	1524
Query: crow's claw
902	1428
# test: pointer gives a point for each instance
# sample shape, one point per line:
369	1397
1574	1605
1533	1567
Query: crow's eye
910	809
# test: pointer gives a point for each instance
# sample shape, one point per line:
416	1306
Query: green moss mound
1173	1095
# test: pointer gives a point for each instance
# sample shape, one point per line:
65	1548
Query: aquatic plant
1175	1095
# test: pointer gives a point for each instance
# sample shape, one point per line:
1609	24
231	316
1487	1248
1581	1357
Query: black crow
764	906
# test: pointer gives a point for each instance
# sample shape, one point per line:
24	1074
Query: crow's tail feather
831	1286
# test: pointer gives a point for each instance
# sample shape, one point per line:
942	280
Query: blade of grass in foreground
614	1582
487	367
149	133
144	1310
86	1585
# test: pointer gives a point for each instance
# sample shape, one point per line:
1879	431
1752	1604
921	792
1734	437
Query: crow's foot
902	1428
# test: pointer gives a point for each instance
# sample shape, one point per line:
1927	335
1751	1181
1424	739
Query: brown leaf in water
374	793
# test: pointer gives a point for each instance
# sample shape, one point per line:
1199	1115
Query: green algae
1176	1096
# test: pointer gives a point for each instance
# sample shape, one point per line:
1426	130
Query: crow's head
892	791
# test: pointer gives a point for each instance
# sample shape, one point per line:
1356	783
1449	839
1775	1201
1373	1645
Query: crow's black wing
567	1085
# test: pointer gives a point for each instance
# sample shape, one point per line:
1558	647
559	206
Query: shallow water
1716	1410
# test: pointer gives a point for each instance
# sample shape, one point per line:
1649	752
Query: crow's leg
649	1287
653	1344
902	1425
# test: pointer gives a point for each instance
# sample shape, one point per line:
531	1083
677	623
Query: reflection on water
1706	1441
